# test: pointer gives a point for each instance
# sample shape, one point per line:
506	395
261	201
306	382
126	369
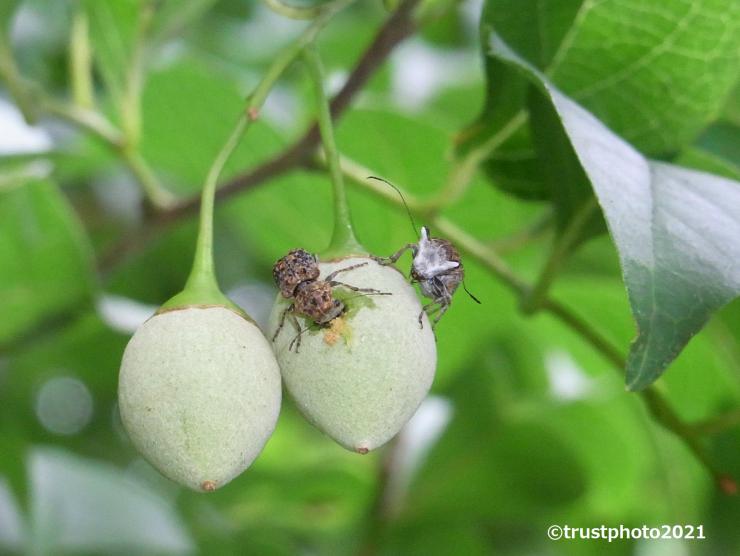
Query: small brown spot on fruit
336	330
362	450
728	485
208	486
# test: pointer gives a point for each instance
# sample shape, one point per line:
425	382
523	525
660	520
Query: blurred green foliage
528	425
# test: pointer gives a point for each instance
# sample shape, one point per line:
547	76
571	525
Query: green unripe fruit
199	394
362	378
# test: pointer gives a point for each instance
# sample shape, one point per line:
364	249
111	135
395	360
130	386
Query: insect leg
395	256
297	339
351	267
356	289
425	309
282	321
441	311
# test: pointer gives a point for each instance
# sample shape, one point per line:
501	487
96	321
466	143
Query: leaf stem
80	61
17	88
288	55
99	126
130	102
160	197
658	407
343	241
295	12
532	232
558	254
464	170
86	119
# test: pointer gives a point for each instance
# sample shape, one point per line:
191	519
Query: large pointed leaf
677	230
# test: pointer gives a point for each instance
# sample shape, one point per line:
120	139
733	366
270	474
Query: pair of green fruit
200	386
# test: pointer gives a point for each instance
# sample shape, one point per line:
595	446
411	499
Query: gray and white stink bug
436	267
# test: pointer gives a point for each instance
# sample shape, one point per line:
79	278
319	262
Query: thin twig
534	231
464	170
719	423
561	249
157	195
90	121
17	87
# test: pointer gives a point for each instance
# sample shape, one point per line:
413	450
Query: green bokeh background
527	425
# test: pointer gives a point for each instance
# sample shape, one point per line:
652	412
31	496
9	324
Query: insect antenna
408	210
467	291
368	294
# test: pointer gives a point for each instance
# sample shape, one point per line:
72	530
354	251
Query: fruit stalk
343	241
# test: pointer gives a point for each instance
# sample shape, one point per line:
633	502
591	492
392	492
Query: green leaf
7	10
114	28
174	15
634	66
515	21
189	109
570	191
515	169
45	257
637	67
682	266
717	150
677	231
731	110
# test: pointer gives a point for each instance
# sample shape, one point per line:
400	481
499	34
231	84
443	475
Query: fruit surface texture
199	394
361	378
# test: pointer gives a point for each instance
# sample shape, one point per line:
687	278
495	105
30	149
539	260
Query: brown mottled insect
436	267
297	277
